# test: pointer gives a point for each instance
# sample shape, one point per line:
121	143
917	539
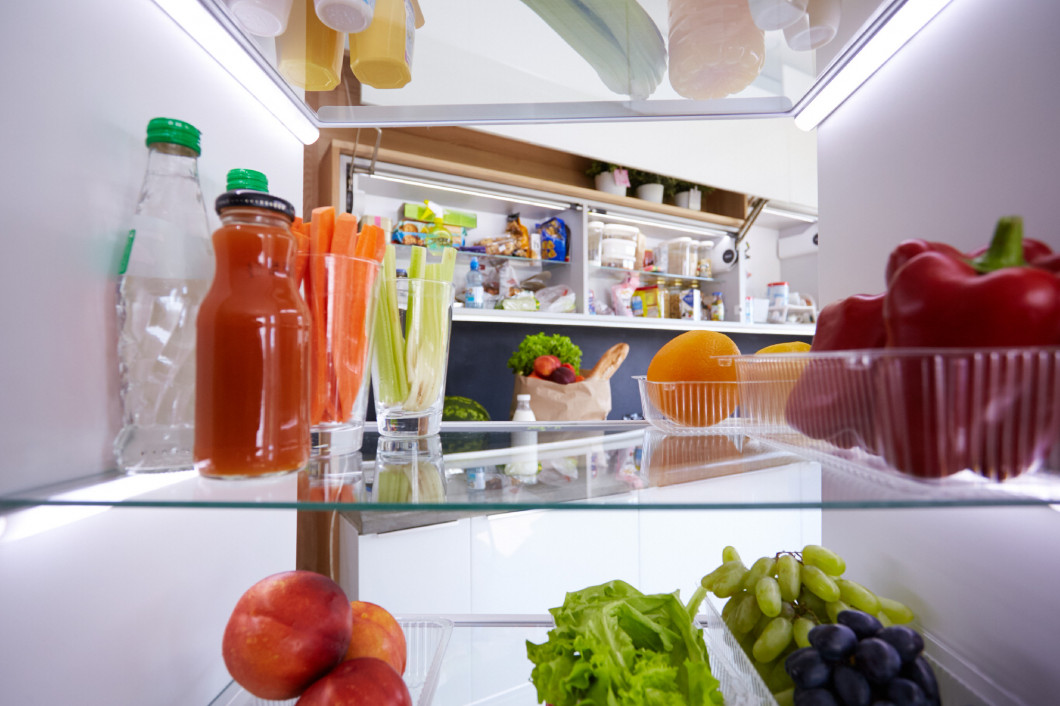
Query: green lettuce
615	646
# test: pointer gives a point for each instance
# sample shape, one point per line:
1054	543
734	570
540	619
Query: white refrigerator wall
957	130
115	601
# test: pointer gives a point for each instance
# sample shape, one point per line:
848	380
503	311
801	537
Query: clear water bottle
474	296
166	269
715	49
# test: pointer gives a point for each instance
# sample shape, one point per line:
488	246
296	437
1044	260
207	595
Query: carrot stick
321	229
301	255
345	238
369	245
340	398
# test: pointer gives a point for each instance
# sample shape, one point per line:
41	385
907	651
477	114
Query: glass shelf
583	465
468	67
652	276
433	256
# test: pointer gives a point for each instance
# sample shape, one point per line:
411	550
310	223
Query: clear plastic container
595	235
619	246
715	49
689	407
682	257
927	412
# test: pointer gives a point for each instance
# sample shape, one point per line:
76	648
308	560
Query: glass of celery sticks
411	343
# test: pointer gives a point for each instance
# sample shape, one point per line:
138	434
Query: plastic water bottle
524	463
167	267
475	295
715	48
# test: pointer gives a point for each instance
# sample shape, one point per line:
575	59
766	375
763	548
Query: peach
377	633
365	681
285	632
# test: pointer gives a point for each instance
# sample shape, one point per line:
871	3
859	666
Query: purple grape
833	641
920	673
863	624
814	697
905	640
877	660
851	686
905	693
807	668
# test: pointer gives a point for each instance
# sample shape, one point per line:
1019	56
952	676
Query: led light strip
208	32
554	205
903	24
660	224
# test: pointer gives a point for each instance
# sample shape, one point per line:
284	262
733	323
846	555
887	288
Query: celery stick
389	342
427	346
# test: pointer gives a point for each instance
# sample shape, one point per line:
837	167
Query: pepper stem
1006	247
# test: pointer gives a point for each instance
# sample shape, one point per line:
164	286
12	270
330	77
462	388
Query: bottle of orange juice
309	53
381	56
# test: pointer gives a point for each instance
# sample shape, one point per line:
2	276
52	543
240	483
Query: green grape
726	579
729	554
857	596
785	698
767	593
787	610
788	577
730	605
773	640
761	567
824	559
835	608
801	631
899	613
819	583
763	621
815	605
884	620
746	614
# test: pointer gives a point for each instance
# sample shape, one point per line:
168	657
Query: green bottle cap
246	179
174	131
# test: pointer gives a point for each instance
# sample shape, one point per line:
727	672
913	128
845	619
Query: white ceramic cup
816	28
776	14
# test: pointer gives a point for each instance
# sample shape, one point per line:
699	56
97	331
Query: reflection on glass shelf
464	68
599	465
652	276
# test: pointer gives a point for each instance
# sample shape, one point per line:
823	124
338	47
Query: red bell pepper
1035	253
833	400
981	409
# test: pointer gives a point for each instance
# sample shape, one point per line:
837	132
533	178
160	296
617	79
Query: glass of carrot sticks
411	343
337	270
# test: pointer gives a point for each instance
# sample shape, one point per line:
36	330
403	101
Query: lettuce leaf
613	645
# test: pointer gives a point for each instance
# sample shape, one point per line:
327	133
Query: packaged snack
555	239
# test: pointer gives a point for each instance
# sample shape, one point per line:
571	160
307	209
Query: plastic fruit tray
927	412
689	407
426	639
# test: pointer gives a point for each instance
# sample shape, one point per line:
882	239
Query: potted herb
603	174
646	185
689	195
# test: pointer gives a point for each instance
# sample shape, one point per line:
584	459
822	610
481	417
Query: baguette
609	362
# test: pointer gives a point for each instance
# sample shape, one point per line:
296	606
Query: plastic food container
426	640
689	407
594	240
619	246
926	412
682	257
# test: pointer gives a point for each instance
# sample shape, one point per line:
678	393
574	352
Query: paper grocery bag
552	402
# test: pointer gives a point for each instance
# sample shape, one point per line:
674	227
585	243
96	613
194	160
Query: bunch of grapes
859	662
774	605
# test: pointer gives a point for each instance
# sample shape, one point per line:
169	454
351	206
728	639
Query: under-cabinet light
554	205
207	31
794	215
714	233
902	24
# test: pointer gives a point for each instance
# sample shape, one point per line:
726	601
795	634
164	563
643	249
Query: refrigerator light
207	31
899	28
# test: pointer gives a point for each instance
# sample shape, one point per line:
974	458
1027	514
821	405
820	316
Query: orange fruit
790	347
703	389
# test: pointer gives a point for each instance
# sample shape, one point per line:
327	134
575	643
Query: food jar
682	257
703	264
619	246
595	236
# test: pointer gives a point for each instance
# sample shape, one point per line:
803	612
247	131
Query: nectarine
377	633
285	632
365	681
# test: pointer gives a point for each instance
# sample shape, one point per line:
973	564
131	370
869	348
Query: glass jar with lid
682	257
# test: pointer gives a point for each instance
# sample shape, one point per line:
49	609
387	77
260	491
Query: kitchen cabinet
375	181
491	550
